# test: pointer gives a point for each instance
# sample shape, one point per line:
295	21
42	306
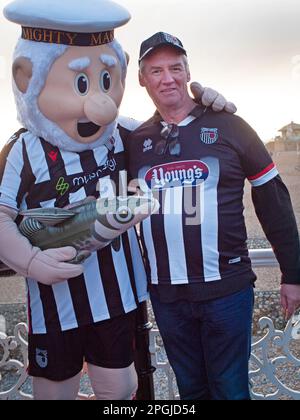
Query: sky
249	50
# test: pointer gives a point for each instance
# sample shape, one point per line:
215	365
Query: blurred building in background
288	141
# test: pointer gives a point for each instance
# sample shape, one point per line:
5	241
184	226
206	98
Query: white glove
47	267
210	97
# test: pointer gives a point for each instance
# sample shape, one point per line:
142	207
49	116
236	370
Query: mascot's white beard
40	126
42	56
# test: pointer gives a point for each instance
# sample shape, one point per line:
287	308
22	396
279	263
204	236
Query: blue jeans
208	345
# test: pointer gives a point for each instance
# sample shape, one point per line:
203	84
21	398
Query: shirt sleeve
255	159
274	210
12	175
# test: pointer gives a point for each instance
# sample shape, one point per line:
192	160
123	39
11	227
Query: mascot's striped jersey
35	174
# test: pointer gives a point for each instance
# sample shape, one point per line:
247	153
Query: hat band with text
51	36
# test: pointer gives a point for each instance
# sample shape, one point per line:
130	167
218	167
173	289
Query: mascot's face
83	92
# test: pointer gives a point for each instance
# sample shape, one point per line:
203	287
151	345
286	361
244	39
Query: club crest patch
209	135
147	145
41	358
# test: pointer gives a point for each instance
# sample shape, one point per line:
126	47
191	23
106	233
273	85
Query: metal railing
272	363
262	258
273	356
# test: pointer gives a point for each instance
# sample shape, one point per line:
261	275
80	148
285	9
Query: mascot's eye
82	84
105	81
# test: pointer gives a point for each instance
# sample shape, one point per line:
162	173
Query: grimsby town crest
209	135
41	358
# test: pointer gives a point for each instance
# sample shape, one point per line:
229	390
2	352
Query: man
201	282
68	78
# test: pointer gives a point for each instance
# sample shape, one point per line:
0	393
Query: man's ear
22	73
127	57
188	73
141	79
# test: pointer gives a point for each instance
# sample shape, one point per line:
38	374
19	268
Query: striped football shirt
199	234
35	174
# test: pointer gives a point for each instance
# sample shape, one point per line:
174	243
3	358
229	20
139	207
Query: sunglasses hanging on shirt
169	141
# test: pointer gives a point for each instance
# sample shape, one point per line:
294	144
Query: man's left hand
290	299
210	97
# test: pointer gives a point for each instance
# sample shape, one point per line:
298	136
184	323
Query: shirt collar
197	112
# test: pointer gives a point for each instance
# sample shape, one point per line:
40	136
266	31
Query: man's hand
290	299
210	97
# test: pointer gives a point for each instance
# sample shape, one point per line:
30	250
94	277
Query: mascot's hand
50	266
210	97
47	267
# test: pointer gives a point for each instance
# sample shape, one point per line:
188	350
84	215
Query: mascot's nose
100	109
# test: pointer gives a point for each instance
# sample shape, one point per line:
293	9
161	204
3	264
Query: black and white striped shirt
35	174
199	235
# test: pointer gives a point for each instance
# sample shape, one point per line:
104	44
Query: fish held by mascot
87	226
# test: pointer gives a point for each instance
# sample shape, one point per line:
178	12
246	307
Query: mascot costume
68	81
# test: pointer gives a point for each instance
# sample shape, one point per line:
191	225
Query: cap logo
172	39
51	36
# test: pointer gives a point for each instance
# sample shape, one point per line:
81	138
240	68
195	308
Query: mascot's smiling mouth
87	128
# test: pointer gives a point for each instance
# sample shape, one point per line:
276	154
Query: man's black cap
157	40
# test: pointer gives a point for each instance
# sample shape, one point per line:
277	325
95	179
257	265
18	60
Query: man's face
165	76
83	92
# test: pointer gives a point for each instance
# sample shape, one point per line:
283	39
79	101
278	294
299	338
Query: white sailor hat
69	22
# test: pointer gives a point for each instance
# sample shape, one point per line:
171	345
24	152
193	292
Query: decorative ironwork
17	370
9	366
274	364
274	361
160	362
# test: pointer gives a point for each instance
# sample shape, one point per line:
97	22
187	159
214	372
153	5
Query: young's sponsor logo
189	173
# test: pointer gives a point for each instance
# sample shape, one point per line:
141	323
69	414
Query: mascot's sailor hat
68	22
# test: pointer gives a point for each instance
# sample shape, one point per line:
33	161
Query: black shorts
58	356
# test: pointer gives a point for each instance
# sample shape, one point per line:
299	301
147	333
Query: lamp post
142	355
